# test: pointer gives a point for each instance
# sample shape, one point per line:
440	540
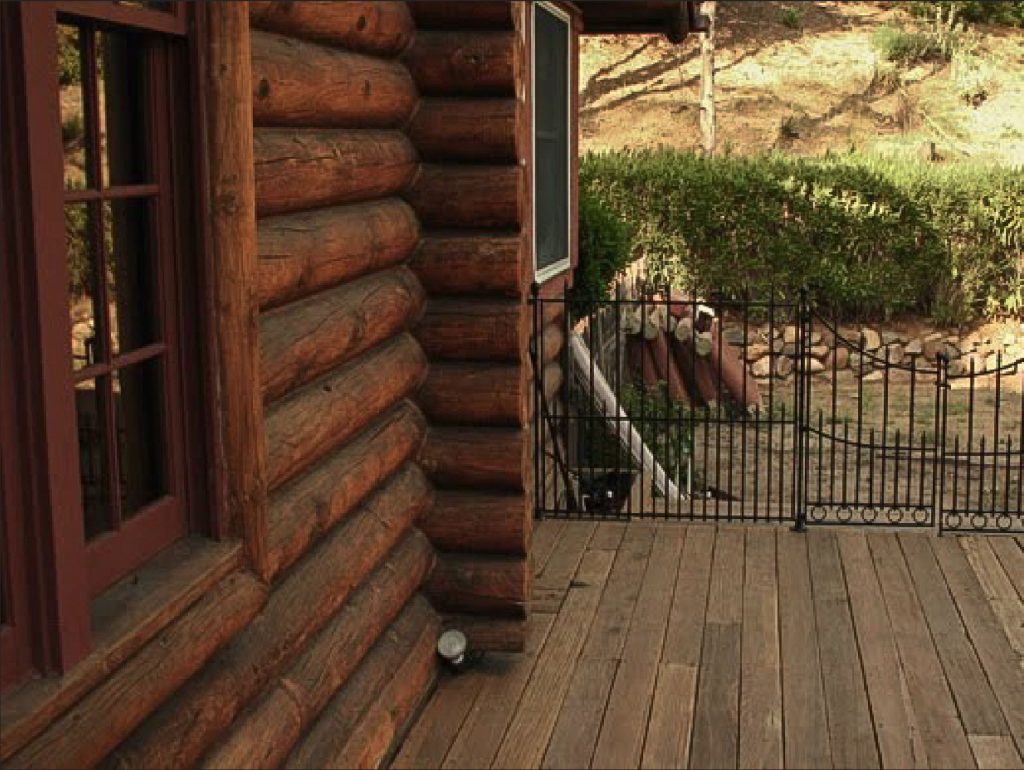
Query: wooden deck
664	645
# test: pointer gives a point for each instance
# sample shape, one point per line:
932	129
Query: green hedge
870	236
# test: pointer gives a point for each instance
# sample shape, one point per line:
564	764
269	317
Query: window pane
141	451
74	126
131	274
93	460
551	122
122	68
82	294
166	6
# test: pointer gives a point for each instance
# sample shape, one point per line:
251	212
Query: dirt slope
806	90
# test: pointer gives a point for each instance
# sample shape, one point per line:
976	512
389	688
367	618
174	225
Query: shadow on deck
672	645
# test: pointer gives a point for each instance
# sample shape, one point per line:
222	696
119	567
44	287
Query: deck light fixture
452	646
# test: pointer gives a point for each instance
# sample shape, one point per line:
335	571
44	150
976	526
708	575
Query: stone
994	361
950	351
894	353
757	351
783	367
762	367
789	336
839	358
734	336
814	366
858	360
815	338
870	339
914	348
875	376
975	361
892	338
819	351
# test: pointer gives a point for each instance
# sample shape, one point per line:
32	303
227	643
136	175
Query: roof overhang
673	18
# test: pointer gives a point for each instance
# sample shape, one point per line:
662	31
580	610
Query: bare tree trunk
708	128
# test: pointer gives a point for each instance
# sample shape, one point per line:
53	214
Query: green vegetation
792	17
1005	12
910	46
872	237
606	242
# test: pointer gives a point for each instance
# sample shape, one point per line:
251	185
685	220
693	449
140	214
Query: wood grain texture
185	727
124	619
493	459
304	340
472	264
465	130
462	63
307	424
489	634
296	83
103	718
480	584
474	330
240	442
466	197
358	725
477	394
371	26
478	522
481	14
305	168
301	254
428	740
263	737
303	510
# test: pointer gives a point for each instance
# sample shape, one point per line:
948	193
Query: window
552	40
104	139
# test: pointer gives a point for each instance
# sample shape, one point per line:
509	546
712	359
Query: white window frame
562	265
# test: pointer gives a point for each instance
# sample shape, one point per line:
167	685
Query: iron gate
654	405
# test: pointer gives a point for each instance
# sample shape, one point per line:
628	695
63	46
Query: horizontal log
301	169
472	263
267	732
472	330
307	424
94	726
300	605
301	254
480	585
477	458
552	342
475	394
124	619
378	27
476	522
363	719
302	511
480	14
297	83
467	197
489	634
303	340
465	130
464	63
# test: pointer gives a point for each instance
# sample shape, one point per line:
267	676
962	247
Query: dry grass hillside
805	87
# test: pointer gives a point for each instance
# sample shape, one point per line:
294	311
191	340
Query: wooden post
241	445
708	127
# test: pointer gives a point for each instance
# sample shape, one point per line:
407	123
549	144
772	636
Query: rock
932	345
819	351
894	353
870	340
973	364
815	338
950	351
789	349
1009	340
757	351
762	367
914	348
857	360
789	336
783	367
956	367
734	336
994	361
814	366
778	345
839	358
893	338
875	376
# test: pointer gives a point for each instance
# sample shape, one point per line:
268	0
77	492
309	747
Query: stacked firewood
679	343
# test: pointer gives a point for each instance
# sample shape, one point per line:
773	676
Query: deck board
698	645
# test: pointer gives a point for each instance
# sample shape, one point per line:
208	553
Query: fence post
802	416
941	406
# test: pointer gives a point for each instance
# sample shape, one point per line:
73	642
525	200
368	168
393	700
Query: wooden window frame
549	272
47	539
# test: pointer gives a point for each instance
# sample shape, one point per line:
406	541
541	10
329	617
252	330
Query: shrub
793	18
1005	12
906	47
605	247
870	237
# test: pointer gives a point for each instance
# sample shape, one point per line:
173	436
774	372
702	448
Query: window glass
74	125
83	293
94	461
138	404
121	69
130	274
551	138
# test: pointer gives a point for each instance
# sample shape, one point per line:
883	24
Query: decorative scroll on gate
770	411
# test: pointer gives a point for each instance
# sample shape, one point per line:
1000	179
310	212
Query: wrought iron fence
675	407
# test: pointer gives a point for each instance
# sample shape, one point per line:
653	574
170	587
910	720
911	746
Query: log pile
679	344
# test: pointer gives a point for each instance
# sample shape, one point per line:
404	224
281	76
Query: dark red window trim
45	538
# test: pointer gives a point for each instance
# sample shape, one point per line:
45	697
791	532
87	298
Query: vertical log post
708	119
241	444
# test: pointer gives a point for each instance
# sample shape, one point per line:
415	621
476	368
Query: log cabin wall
337	660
